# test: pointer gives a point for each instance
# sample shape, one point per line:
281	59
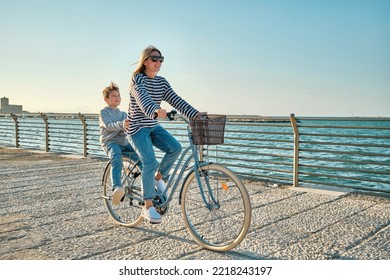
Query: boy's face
113	99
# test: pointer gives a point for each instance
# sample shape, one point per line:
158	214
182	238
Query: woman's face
153	62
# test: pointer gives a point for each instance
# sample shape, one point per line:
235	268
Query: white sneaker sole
152	221
117	196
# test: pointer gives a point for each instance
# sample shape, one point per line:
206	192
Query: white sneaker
151	215
160	185
117	195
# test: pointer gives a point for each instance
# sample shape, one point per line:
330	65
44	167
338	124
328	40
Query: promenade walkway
50	208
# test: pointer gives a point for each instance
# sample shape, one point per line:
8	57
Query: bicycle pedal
161	210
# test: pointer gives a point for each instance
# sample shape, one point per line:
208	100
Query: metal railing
344	152
339	152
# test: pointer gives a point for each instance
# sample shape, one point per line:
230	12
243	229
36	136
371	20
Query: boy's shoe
160	185
117	195
151	215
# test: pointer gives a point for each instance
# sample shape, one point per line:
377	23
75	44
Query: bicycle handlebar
172	113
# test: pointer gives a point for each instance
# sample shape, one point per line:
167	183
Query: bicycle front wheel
220	219
128	212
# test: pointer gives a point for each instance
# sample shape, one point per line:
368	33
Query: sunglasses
154	58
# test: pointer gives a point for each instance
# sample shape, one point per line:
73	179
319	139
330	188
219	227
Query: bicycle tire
128	212
216	229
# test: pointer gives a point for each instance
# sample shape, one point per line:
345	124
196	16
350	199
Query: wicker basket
209	131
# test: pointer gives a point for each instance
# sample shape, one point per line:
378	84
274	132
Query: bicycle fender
182	185
108	165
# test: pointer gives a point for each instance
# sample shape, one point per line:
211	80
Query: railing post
201	152
45	119
296	151
15	118
82	118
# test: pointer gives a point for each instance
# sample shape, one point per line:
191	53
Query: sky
240	57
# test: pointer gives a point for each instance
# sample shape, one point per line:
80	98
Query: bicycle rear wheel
128	212
222	225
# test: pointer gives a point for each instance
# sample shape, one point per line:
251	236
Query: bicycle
215	203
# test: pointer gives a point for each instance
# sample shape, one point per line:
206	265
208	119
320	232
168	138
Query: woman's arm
179	103
140	93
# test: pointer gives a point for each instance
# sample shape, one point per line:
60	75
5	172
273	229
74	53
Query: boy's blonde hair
109	89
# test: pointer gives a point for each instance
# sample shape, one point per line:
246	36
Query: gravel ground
50	209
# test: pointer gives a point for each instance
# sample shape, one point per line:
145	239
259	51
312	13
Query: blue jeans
115	153
143	142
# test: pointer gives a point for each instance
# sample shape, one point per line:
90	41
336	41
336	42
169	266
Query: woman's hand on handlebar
160	113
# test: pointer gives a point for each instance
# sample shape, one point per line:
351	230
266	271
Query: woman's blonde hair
144	55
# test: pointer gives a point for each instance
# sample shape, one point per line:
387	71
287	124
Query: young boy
113	124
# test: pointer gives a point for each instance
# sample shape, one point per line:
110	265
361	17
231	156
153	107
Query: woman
147	90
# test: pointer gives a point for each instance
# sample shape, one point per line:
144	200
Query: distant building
6	108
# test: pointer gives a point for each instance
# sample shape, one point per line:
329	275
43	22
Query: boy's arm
106	122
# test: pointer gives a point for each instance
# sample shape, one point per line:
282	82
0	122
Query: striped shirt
146	95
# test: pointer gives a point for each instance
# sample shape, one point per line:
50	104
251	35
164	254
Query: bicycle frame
176	176
182	165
